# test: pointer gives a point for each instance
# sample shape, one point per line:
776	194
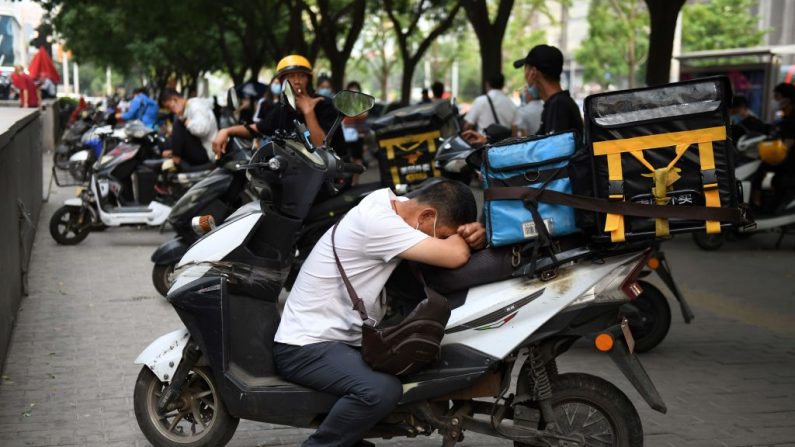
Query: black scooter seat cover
170	251
342	202
154	164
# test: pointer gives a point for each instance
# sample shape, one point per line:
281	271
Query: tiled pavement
728	379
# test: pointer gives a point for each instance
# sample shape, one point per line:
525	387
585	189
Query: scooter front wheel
197	418
163	277
595	409
66	226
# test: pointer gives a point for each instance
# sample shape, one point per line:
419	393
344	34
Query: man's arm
25	98
132	112
450	253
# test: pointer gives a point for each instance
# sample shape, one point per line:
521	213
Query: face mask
276	89
532	90
736	119
324	92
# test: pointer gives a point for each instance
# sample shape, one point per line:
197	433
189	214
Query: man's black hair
167	94
497	80
739	101
139	90
453	200
353	84
785	90
438	89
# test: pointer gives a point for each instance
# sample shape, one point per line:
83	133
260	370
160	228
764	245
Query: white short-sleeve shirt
369	239
480	113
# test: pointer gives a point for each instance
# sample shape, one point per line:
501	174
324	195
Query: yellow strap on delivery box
409	143
662	177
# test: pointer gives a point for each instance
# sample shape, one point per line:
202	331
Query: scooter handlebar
353	168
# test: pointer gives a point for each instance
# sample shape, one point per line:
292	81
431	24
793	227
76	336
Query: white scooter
120	181
783	221
197	382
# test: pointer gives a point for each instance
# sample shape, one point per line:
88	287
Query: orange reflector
604	342
653	263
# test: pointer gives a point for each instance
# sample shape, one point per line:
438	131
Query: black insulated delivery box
407	141
665	145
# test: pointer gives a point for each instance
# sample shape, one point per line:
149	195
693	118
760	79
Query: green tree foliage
617	42
720	24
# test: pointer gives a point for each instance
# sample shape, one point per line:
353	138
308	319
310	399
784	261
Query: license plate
628	335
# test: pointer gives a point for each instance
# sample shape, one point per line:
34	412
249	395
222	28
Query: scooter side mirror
232	99
288	96
351	103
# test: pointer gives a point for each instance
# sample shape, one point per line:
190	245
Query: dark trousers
366	396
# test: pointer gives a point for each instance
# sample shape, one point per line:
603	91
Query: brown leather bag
411	344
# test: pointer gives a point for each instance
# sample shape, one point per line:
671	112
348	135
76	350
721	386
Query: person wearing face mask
542	68
324	87
316	112
266	103
316	344
528	115
743	120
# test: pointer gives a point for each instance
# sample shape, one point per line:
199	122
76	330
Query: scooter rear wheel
198	419
65	226
649	317
708	242
594	408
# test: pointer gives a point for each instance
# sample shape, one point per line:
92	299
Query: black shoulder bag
411	344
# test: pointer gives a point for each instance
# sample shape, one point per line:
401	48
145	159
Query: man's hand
473	137
166	153
219	143
474	234
306	104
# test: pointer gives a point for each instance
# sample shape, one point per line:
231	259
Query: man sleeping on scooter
318	339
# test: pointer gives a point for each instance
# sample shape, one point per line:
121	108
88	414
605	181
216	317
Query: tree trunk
337	71
489	34
409	66
662	15
490	59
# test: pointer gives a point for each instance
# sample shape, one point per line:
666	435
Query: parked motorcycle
771	216
197	382
124	178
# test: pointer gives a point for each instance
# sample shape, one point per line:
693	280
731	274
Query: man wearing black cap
542	68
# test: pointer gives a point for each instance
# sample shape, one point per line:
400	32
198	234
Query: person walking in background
528	115
424	98
542	68
29	95
492	108
743	120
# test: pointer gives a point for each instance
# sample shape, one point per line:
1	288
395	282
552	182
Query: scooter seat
154	163
484	266
198	168
341	203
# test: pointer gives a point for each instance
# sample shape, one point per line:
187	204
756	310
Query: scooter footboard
163	355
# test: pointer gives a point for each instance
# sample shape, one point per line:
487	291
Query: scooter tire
220	428
649	318
162	277
576	390
60	228
708	242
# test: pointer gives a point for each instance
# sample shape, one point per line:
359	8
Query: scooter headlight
202	224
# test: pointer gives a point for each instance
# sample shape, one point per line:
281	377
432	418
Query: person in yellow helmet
316	112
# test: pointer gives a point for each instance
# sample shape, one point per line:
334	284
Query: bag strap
493	112
358	304
733	215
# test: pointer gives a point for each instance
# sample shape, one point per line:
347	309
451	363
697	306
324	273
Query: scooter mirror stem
333	129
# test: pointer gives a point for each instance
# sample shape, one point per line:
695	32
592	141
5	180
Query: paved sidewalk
728	379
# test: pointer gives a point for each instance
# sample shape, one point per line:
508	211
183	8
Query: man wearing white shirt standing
492	108
317	342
